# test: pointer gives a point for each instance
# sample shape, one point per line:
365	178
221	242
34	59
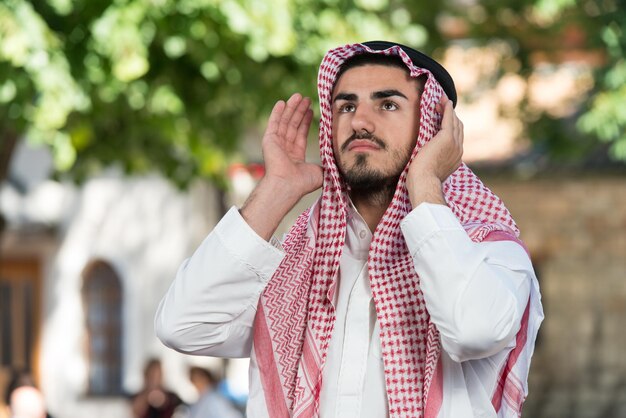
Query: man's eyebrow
383	94
346	96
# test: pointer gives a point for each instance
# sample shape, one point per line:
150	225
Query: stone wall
575	229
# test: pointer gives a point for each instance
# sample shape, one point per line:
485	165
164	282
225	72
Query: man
402	292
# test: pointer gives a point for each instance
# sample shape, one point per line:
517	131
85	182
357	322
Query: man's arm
476	293
210	307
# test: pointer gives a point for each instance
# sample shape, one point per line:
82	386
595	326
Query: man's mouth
363	145
363	142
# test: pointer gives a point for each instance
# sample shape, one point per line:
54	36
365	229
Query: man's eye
389	106
347	108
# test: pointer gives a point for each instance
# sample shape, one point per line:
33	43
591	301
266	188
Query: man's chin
370	180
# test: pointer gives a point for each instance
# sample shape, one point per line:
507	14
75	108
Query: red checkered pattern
297	300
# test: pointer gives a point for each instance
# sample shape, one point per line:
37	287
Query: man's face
375	123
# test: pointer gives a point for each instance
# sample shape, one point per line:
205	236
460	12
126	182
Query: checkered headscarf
295	317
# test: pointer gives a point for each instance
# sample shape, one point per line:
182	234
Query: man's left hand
439	158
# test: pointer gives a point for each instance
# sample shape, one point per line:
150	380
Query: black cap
423	61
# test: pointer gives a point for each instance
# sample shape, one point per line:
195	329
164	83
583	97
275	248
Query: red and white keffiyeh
295	318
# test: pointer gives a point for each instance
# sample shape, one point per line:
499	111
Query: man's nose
363	120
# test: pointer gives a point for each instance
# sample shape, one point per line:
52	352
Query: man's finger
296	119
441	104
303	129
274	119
457	127
290	107
448	116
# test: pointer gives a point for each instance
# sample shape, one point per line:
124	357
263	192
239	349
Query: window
20	317
102	296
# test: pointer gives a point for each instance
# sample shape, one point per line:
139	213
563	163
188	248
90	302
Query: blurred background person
22	397
154	400
211	403
27	402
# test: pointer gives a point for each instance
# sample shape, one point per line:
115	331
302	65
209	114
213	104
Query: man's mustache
363	135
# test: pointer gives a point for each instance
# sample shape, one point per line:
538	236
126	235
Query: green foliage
606	116
551	28
169	85
173	85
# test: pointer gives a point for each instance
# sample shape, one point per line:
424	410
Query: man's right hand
284	148
288	177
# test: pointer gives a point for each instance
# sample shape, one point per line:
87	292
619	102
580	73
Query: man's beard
366	182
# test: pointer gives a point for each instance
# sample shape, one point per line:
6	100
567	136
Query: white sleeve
475	293
209	309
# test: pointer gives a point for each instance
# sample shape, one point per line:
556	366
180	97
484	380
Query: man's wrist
279	190
267	205
426	188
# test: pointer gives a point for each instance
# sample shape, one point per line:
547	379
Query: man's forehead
372	76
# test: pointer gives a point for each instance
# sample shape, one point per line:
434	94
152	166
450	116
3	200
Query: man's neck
371	207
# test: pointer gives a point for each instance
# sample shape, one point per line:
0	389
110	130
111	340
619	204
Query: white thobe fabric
475	293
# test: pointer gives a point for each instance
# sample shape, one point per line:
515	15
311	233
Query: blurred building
82	271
